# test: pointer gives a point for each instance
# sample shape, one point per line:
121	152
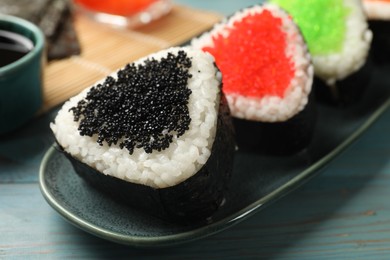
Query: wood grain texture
105	50
343	213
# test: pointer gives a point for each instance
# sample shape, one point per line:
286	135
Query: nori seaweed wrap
157	135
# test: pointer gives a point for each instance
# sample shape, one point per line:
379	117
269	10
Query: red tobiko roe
252	58
117	7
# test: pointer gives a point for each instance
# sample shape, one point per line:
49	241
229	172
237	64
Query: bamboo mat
105	50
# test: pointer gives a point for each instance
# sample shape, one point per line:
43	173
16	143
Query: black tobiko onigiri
157	135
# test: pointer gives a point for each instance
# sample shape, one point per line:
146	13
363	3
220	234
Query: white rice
377	10
270	108
353	55
185	155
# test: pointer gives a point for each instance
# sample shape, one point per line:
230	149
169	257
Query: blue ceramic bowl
21	80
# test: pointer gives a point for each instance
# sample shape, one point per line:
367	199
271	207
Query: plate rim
215	227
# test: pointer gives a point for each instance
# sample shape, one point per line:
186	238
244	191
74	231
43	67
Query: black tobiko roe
146	100
143	108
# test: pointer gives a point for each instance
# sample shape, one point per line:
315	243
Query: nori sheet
346	92
194	200
278	138
54	18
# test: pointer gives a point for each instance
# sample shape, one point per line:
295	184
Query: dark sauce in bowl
13	46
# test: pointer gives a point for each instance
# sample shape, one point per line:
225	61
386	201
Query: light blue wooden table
343	213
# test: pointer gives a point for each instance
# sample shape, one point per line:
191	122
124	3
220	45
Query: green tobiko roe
322	23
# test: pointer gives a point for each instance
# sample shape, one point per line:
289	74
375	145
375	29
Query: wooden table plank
343	213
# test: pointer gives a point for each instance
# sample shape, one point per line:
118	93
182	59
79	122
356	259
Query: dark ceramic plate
258	180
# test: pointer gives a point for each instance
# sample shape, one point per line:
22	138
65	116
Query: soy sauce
13	46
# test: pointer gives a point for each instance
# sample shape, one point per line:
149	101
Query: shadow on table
317	213
21	151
